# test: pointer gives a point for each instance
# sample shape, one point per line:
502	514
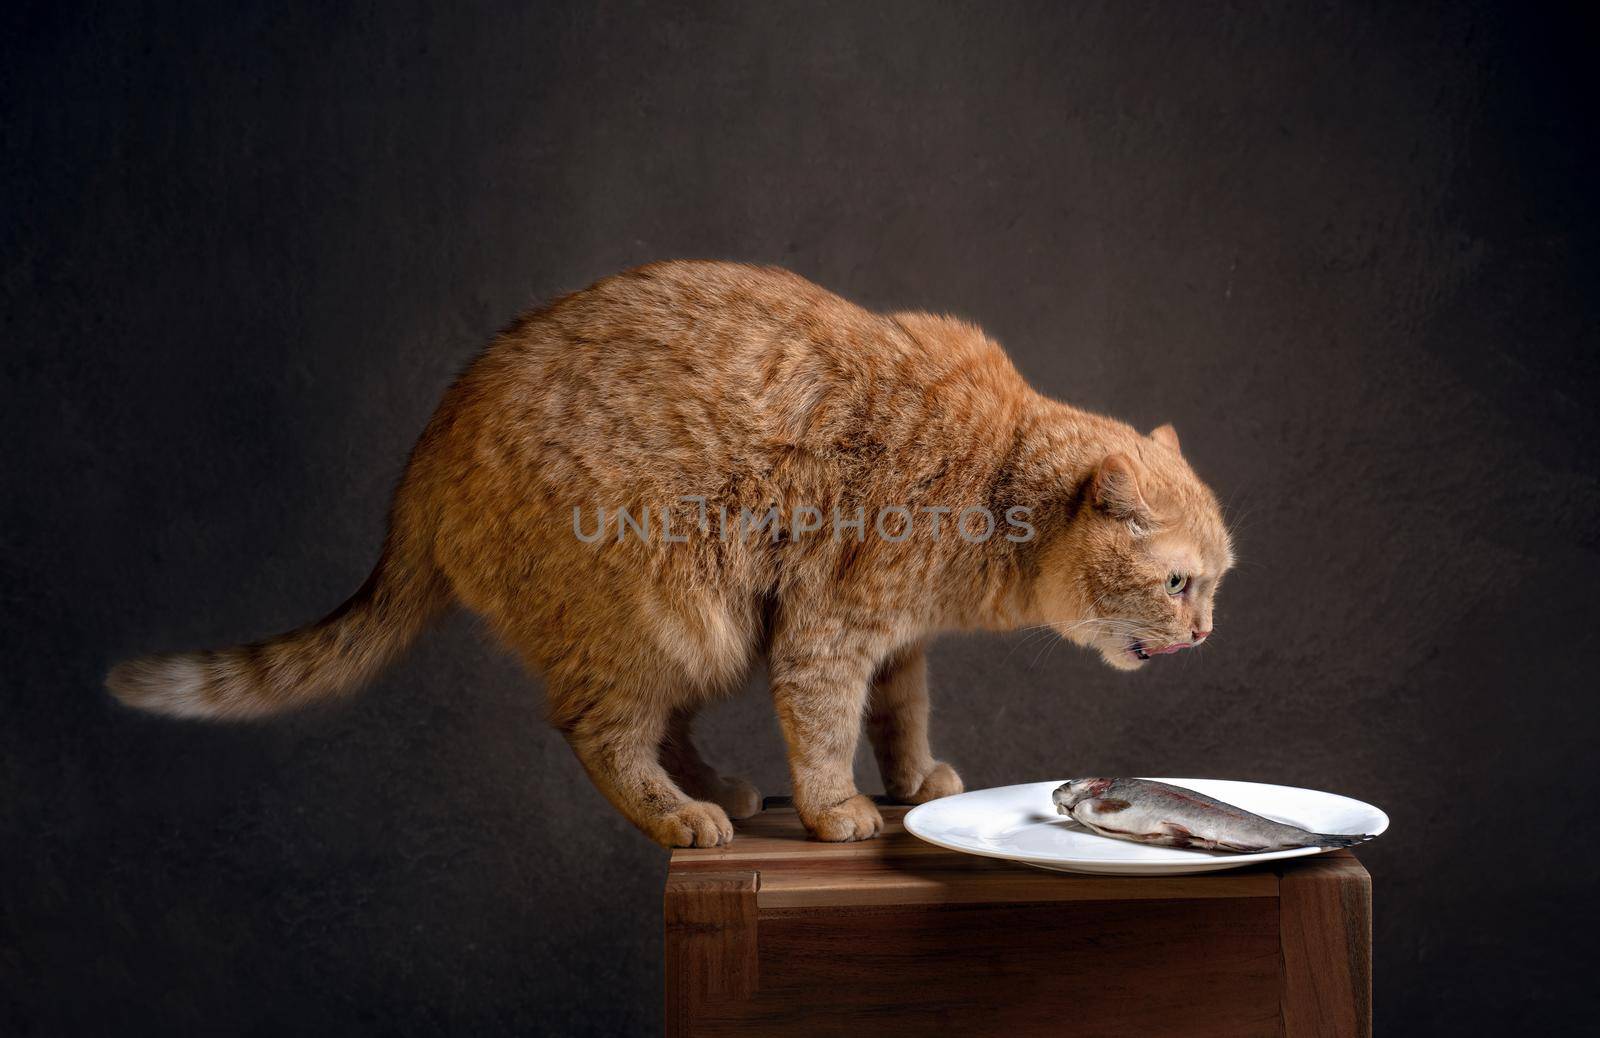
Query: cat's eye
1176	582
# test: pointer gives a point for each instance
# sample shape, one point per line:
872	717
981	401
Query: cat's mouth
1140	651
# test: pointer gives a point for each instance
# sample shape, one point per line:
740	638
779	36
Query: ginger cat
648	486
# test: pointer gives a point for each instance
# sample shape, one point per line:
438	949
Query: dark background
1351	251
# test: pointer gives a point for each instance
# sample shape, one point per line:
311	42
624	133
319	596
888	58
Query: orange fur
752	389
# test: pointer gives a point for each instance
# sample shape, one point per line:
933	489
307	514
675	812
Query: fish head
1136	574
1074	792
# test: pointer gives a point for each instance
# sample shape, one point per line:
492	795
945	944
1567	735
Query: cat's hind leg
897	724
683	762
618	740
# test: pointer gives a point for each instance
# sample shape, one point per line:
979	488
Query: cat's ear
1165	435
1116	489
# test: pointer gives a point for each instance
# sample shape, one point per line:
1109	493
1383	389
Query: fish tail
1333	840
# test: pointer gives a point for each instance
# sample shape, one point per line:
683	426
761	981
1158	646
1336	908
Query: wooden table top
793	871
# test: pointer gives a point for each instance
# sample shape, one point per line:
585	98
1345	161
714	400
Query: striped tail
324	659
1334	840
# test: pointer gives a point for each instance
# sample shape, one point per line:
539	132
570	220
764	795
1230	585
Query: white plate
1020	823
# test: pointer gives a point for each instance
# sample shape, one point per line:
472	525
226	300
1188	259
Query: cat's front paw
854	819
693	824
941	780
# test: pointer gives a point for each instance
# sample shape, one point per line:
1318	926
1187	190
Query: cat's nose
1199	636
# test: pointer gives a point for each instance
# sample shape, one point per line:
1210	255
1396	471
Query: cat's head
1135	572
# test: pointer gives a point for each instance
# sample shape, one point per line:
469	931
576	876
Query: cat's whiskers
1131	630
1051	624
1044	630
1029	634
1042	652
1116	626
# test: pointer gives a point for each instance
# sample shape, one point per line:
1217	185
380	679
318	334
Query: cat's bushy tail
334	655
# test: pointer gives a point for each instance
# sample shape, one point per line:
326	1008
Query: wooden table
777	934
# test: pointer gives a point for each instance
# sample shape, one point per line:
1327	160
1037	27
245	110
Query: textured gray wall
1350	251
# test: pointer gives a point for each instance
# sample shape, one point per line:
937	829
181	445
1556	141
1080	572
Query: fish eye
1176	582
